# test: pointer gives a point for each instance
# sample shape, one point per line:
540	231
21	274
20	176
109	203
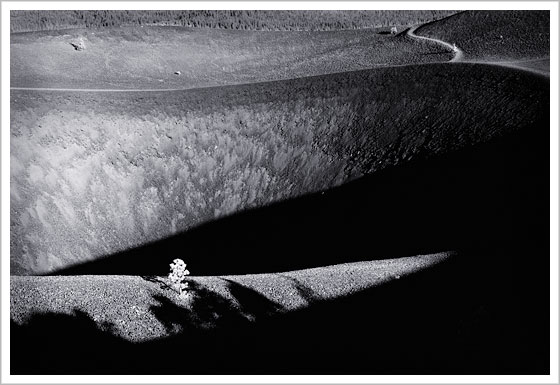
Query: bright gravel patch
297	289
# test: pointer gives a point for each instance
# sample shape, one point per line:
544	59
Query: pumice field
279	192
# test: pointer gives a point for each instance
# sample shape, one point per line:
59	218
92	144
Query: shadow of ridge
55	343
437	321
491	194
456	318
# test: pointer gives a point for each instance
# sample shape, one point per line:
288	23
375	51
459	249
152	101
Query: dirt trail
458	52
459	55
98	89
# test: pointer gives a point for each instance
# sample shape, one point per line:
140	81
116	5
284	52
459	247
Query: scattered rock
79	44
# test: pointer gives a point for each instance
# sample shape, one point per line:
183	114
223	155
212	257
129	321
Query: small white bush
178	276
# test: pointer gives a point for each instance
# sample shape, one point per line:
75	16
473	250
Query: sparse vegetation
178	276
283	20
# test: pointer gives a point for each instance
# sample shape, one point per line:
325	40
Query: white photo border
7	6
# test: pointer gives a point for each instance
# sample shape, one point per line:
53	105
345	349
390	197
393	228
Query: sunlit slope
437	321
94	173
495	35
108	299
140	58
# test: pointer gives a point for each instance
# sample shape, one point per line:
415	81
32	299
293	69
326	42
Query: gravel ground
128	306
129	58
297	289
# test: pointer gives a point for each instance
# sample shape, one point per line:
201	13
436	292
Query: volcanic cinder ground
347	201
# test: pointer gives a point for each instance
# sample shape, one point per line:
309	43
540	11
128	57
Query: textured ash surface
125	305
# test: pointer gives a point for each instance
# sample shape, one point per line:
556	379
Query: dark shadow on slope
303	290
429	323
163	284
435	53
486	196
206	335
472	314
64	344
402	33
249	300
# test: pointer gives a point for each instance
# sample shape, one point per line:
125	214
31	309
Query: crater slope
93	174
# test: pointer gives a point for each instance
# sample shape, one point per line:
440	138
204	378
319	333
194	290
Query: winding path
459	55
458	52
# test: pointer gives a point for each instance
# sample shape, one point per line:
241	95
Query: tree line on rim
285	20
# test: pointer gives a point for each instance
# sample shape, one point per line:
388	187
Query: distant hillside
284	20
